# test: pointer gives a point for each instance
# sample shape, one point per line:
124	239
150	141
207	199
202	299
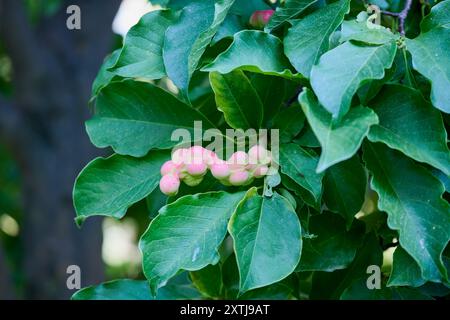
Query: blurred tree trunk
6	287
53	69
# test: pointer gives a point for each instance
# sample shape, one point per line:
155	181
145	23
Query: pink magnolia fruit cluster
190	166
260	18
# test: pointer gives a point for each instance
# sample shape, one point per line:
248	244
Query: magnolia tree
284	149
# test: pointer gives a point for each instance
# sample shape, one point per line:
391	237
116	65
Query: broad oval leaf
300	165
330	246
359	31
237	99
108	187
339	140
266	232
411	125
142	52
309	37
430	57
345	188
405	270
134	117
254	51
412	198
124	289
186	235
186	40
438	17
343	70
290	10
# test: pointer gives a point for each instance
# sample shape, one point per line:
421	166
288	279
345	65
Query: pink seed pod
196	169
259	155
220	170
210	157
169	167
260	18
194	155
238	160
192	181
169	184
260	171
179	155
239	178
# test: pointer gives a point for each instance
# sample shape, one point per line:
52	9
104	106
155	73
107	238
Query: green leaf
331	247
231	25
208	281
430	57
245	8
237	99
405	270
309	37
289	121
300	165
411	125
331	285
134	117
412	198
266	232
187	39
186	234
155	201
341	71
104	77
254	51
438	17
124	289
290	10
339	140
344	188
142	52
110	186
269	89
359	31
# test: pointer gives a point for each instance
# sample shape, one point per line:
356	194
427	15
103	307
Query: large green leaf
187	39
109	186
289	121
345	187
412	198
359	31
237	99
142	52
104	77
331	285
330	246
300	165
124	289
309	37
290	10
339	140
341	71
438	17
430	57
254	51
267	239
208	281
405	270
186	234
178	288
269	89
133	117
410	124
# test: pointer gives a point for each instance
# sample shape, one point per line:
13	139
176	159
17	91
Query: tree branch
402	15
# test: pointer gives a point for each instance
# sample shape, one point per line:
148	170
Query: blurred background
46	73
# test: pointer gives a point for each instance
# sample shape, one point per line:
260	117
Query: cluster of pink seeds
190	166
